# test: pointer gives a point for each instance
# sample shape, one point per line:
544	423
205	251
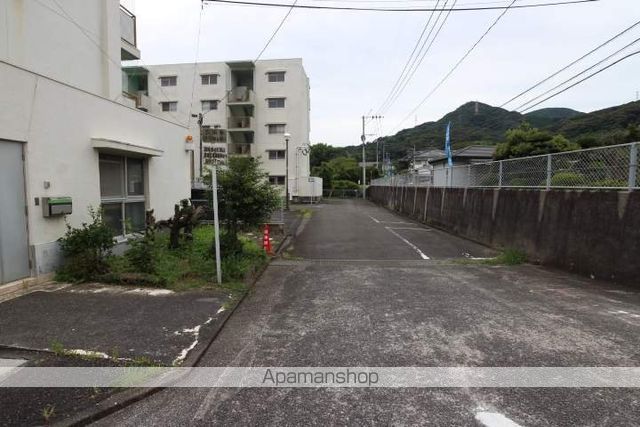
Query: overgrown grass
305	212
506	257
192	265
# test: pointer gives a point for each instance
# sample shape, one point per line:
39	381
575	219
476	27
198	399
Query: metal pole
500	174
200	121
549	171
216	223
633	166
364	162
286	174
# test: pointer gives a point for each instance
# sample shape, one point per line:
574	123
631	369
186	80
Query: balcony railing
142	101
245	123
239	94
128	26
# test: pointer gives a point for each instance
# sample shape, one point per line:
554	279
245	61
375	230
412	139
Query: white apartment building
68	139
246	107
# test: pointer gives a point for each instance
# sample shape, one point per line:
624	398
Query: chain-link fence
614	167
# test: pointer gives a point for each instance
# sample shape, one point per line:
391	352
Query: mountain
473	122
601	124
478	123
547	117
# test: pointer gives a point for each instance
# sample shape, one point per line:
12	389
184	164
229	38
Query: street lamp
286	169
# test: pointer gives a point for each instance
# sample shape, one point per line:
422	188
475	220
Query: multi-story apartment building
245	108
68	138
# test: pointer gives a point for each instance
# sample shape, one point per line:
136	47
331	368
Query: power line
406	64
571	64
415	69
277	29
579	74
370	9
467	53
195	63
583	80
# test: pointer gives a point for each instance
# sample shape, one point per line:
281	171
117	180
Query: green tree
526	140
633	133
321	153
245	199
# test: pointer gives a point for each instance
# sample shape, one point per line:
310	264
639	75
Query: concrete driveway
366	287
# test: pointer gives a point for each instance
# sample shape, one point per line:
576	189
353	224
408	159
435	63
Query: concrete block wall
593	233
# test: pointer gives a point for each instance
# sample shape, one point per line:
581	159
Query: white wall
41	37
57	123
295	89
295	114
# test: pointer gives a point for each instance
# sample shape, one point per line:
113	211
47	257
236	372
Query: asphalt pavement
362	286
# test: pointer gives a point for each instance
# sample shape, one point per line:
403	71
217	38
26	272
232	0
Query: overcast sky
354	58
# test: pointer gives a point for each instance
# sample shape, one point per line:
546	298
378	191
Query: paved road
366	287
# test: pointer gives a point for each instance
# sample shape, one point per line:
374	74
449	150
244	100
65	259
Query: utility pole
286	170
200	121
363	138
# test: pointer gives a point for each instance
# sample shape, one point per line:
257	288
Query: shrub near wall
594	233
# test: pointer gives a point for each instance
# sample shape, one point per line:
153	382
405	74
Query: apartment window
169	81
276	128
277	154
275	102
275	76
209	79
122	193
169	106
209	105
276	180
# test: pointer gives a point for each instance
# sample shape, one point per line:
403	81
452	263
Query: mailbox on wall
54	206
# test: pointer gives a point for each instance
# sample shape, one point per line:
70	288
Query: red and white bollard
266	241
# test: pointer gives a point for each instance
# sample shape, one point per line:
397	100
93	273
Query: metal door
14	252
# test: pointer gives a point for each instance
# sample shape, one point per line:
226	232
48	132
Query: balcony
140	100
129	47
239	149
240	124
240	95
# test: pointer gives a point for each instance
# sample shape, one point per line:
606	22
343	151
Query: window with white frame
275	102
277	154
168	81
122	193
169	106
276	180
209	79
275	76
209	104
276	127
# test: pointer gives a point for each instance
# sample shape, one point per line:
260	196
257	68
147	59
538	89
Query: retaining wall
594	233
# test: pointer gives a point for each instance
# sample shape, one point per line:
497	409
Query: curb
121	400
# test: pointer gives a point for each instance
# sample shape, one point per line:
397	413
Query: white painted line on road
409	228
494	419
389	222
414	247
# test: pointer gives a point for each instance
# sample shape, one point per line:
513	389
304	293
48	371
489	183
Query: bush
141	255
86	249
343	184
568	179
610	182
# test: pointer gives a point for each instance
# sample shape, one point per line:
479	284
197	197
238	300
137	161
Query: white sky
353	58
